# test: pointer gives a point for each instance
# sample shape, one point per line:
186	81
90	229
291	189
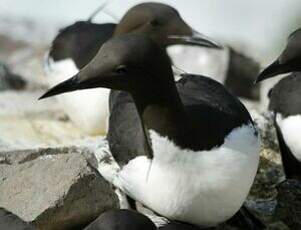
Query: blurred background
257	27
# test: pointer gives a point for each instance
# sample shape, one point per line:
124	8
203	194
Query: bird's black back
285	96
209	105
80	41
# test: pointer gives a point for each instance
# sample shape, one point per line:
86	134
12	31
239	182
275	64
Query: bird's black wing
208	103
125	134
285	96
211	108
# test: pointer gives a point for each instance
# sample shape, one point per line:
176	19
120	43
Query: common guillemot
199	158
286	105
70	51
121	219
76	45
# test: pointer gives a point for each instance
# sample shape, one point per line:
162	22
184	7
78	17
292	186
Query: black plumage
285	98
204	99
121	220
80	41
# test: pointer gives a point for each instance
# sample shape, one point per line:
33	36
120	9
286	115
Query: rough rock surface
54	188
9	221
263	198
288	207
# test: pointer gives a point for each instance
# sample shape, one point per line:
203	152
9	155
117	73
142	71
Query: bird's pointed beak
87	78
269	72
69	85
196	38
275	69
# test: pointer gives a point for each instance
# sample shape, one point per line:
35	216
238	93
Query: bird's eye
155	22
121	69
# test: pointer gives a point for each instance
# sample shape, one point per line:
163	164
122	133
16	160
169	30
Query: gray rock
9	80
277	226
262	197
9	221
262	208
288	208
54	188
265	124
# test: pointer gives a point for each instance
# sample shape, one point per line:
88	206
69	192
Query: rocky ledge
54	188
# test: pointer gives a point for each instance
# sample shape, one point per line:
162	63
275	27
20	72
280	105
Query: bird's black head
63	43
163	24
75	41
132	63
288	61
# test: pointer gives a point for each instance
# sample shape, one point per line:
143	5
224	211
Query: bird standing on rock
285	104
199	159
76	45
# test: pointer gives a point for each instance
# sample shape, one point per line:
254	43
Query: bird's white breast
88	109
202	188
200	60
290	128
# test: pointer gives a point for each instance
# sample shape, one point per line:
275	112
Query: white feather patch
290	128
88	109
203	188
200	60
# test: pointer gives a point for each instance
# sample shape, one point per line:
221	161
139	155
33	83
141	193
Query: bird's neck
164	113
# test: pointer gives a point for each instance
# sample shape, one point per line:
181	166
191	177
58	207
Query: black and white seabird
121	219
286	105
70	51
199	157
76	45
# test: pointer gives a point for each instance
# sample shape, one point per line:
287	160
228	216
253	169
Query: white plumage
88	109
290	128
203	188
199	60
